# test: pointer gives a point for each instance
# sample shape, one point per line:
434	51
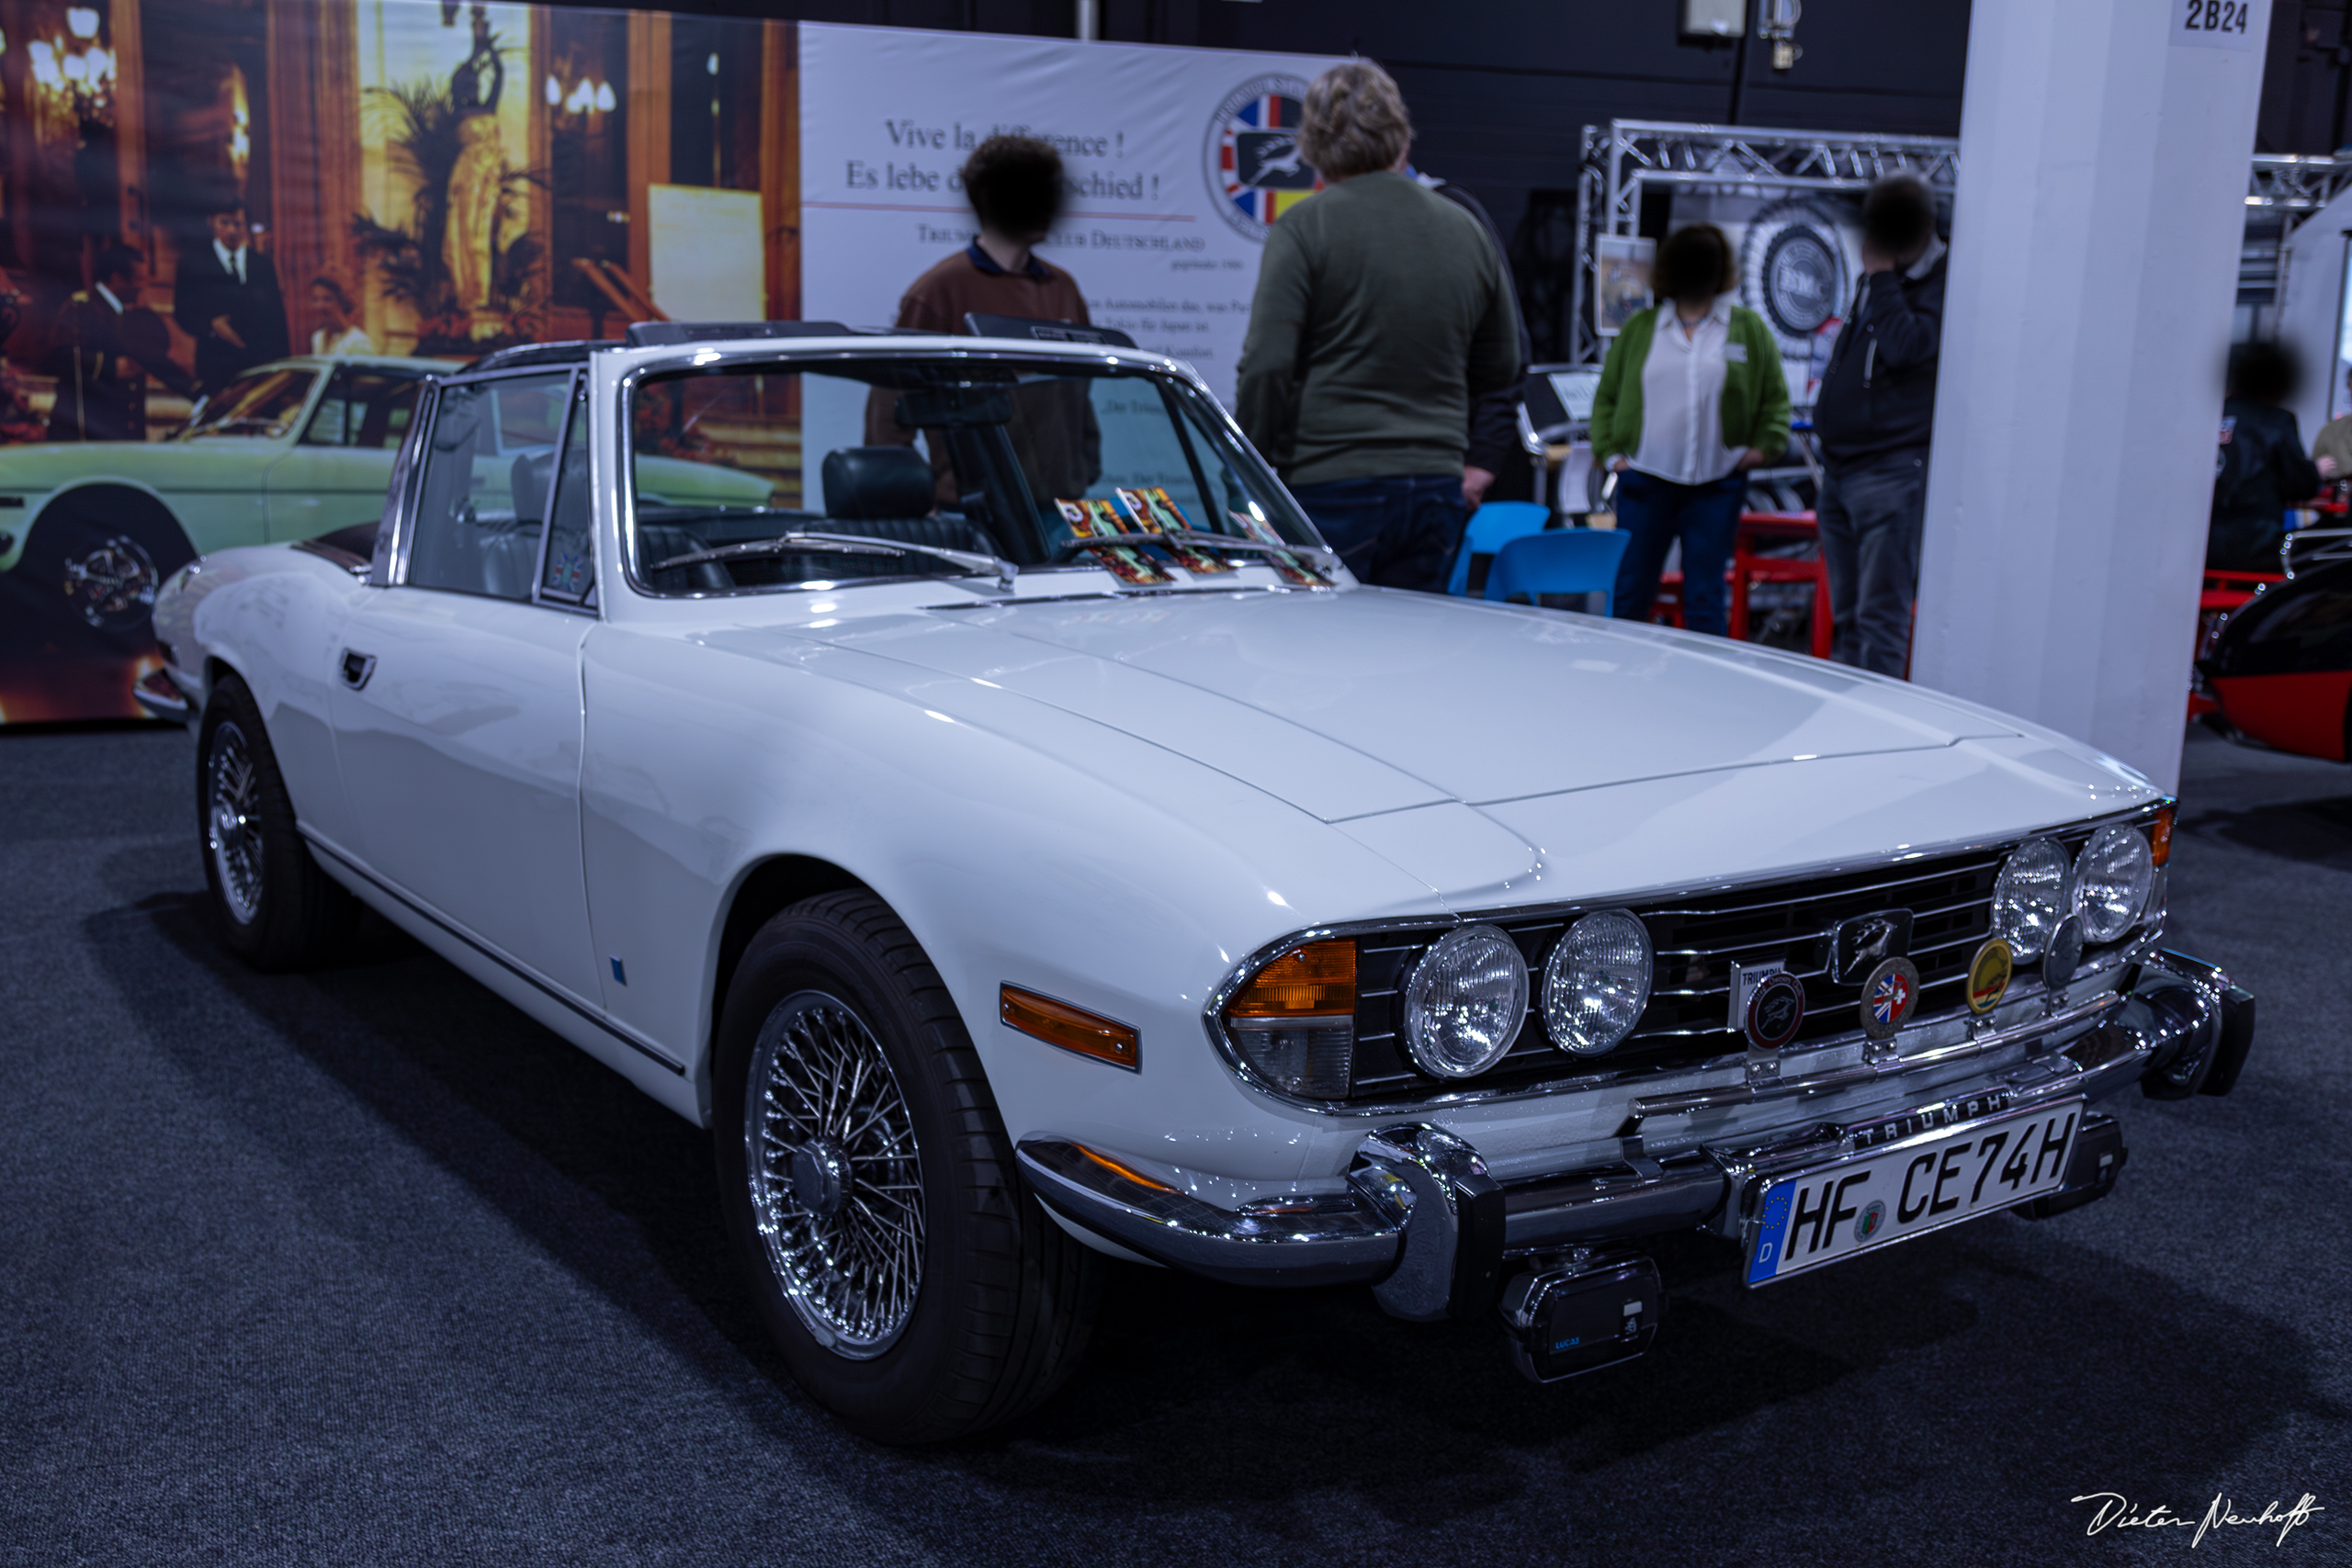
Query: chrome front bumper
159	696
1422	1222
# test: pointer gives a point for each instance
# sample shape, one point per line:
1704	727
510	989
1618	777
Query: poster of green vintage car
90	530
290	450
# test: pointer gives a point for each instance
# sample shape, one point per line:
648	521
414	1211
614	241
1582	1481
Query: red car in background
2280	672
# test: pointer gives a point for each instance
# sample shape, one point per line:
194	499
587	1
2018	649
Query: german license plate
1832	1211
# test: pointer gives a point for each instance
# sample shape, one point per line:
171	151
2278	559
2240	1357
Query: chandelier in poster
1177	160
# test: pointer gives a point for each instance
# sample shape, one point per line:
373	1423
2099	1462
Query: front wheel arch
764	891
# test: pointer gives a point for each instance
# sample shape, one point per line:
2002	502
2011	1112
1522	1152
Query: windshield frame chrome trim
704	357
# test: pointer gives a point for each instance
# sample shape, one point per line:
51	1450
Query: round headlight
1464	1001
1597	982
2030	897
2113	877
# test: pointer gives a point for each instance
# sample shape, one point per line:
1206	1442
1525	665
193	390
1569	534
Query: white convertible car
1020	841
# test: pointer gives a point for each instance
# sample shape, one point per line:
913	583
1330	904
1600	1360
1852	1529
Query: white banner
1177	159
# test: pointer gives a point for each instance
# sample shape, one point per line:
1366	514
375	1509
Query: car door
334	474
214	476
458	697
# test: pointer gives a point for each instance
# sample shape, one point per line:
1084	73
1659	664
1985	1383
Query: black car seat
885	492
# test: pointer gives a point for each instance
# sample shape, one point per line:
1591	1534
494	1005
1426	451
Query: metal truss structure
2294	183
1625	157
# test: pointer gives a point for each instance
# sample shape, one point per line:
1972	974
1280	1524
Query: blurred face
230	230
127	283
325	305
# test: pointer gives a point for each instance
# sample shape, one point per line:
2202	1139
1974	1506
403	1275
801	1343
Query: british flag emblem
1255	164
1891	998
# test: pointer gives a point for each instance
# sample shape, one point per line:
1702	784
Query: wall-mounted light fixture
1714	18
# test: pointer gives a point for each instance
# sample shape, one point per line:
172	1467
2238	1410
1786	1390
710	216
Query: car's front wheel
95	558
276	909
915	1289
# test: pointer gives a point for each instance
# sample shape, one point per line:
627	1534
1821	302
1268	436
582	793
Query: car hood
1362	702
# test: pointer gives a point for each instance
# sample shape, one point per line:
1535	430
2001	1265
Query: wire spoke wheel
232	822
836	1183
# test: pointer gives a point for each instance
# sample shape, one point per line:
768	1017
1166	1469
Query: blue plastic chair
1567	561
1494	525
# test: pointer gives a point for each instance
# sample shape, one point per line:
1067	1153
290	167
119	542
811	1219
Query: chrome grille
1698	939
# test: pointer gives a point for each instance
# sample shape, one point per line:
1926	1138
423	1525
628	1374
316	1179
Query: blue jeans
1399	532
1870	512
1654	512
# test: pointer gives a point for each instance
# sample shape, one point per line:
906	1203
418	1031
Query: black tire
276	909
93	561
998	1314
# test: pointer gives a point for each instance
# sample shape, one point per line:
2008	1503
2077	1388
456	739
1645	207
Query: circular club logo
1988	975
1775	1011
1792	269
1254	168
1889	996
1873	1220
2065	954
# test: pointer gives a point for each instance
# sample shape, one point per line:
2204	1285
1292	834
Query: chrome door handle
356	668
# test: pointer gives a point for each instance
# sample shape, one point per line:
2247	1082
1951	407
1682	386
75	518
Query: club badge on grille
1889	997
1988	975
2065	954
1775	1009
1857	945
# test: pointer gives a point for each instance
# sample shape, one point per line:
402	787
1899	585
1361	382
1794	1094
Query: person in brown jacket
1016	187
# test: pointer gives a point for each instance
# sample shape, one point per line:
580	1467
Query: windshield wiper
1196	536
972	561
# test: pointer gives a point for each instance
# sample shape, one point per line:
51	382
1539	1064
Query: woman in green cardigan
1691	397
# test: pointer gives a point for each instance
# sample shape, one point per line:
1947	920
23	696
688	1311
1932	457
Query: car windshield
1023	461
266	403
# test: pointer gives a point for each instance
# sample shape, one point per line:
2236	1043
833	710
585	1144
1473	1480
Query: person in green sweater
1382	311
1691	397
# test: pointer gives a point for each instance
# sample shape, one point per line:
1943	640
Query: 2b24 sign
2213	24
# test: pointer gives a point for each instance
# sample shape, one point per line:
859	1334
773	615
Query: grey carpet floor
362	1267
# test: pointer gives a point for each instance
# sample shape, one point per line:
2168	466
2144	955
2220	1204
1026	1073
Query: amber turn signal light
1317	980
2160	835
1115	1168
1071	1028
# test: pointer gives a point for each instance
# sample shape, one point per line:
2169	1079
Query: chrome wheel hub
232	821
836	1181
113	585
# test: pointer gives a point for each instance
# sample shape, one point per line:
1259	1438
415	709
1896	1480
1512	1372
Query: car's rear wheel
913	1285
276	909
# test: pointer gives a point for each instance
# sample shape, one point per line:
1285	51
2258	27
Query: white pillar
2103	159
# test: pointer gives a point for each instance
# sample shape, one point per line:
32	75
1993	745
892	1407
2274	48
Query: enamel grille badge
1988	975
1775	1011
1889	997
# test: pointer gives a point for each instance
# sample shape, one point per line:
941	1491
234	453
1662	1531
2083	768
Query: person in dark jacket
107	345
1872	417
1494	443
2260	469
226	296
